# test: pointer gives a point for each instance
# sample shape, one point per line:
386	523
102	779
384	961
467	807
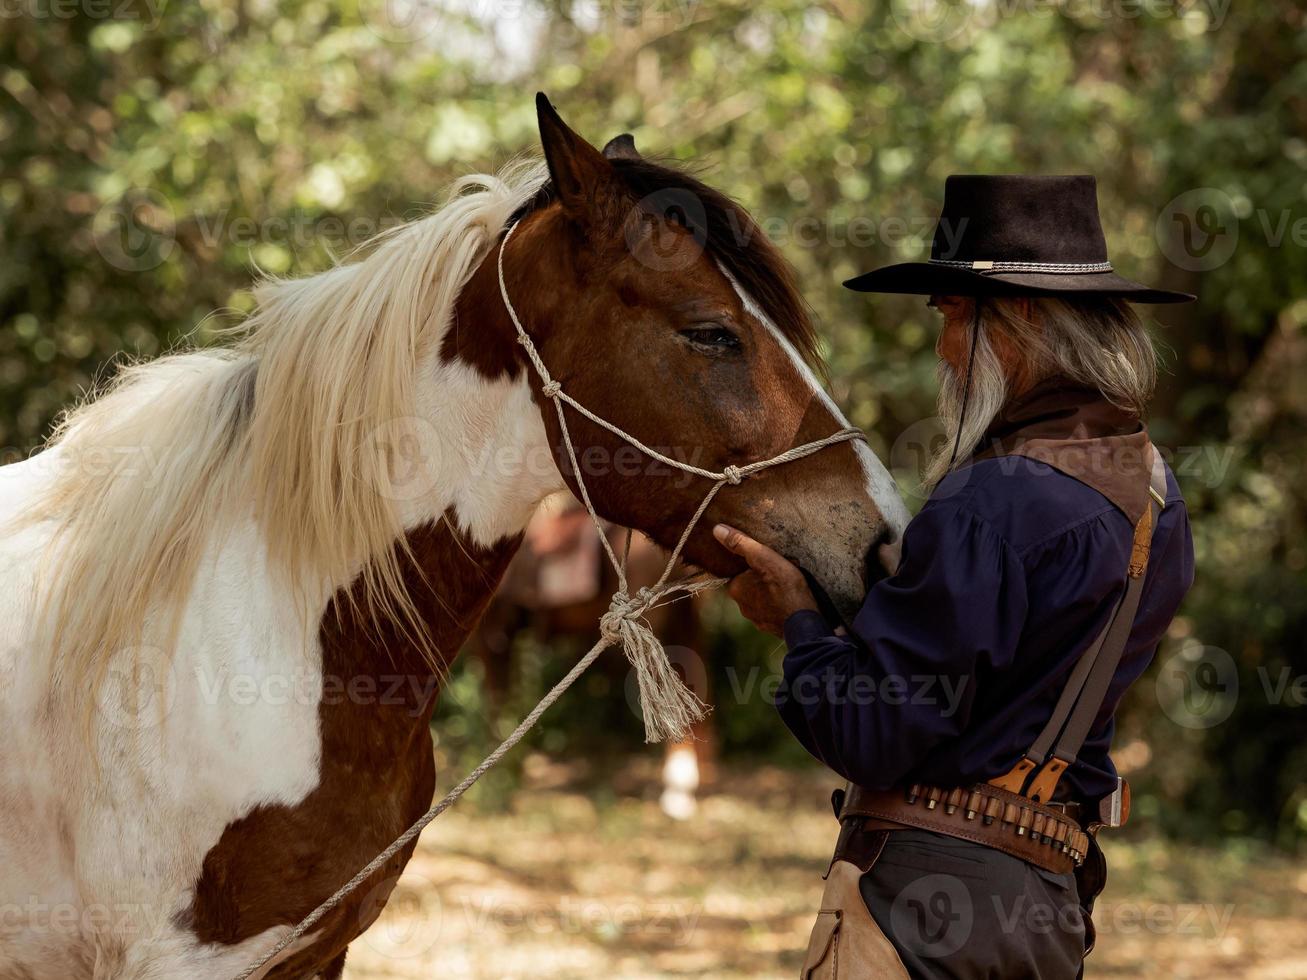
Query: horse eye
711	337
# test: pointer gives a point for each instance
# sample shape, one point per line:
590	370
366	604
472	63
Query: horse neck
484	410
479	464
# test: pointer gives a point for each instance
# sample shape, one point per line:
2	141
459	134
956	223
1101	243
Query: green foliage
155	158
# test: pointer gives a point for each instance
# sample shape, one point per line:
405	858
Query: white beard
989	393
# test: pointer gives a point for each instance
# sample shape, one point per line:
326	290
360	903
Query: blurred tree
154	159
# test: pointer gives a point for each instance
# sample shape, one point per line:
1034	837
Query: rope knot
668	706
733	475
550	389
621	609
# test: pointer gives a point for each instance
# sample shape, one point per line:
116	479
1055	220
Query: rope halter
668	706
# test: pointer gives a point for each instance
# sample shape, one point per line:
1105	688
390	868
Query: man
970	702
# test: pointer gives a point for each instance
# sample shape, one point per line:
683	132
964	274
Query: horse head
659	304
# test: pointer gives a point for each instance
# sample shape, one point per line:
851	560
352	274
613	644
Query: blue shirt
1008	572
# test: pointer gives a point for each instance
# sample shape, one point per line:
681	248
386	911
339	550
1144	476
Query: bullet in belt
1037	828
1023	821
973	804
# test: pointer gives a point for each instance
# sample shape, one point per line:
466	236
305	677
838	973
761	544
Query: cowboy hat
1015	235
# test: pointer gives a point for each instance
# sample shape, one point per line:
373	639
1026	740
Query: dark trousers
958	910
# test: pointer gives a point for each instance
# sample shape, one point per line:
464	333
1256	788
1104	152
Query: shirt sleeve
872	705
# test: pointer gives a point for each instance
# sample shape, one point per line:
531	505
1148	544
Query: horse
234	580
557	587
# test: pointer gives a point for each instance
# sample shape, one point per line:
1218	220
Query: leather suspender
1037	774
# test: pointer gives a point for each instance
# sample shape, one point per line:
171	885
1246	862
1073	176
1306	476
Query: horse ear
622	148
576	168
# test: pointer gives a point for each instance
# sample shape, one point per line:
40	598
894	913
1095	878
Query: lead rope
668	706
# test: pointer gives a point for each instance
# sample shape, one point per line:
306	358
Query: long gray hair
1097	341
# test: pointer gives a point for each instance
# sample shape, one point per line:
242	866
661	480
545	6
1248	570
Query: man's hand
772	589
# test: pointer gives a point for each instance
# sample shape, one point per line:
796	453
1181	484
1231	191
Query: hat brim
924	279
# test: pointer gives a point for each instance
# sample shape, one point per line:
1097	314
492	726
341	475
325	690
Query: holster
1091	877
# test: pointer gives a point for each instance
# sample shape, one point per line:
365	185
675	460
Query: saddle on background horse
561	562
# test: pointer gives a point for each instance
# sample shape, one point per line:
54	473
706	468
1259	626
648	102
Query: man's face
953	344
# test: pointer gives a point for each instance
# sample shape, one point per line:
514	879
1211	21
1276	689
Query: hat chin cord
966	384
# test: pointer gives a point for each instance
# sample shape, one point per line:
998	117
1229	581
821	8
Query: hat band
1055	267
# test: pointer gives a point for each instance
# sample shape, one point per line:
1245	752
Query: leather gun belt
1045	835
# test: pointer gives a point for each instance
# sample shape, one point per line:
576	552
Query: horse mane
291	410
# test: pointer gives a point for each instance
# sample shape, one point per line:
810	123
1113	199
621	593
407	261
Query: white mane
284	422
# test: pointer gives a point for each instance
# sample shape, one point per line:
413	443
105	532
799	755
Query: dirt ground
562	886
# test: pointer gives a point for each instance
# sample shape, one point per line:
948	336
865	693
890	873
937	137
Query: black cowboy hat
1011	236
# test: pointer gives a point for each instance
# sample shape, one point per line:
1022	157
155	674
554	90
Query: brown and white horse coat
265	569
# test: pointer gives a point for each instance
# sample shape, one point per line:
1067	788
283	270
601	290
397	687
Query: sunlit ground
560	887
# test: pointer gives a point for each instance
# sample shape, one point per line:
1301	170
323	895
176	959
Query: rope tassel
670	708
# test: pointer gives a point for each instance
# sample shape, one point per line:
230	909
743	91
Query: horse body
222	659
275	750
91	863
